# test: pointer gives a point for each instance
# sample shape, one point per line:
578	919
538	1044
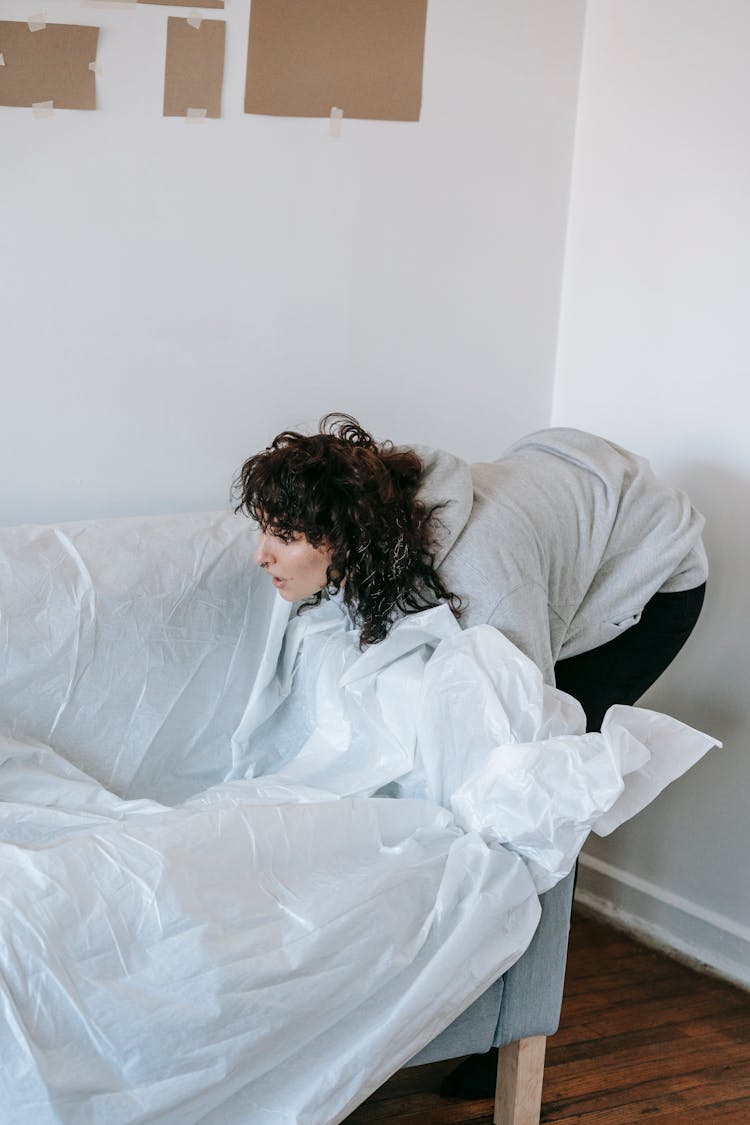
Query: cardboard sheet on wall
194	68
48	65
365	58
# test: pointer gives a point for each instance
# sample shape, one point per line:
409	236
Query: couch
73	664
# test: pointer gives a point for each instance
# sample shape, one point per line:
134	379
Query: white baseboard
702	938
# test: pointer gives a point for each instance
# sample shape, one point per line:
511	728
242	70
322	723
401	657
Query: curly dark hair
341	488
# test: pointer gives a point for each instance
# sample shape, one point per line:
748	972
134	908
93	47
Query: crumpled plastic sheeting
232	961
129	644
517	766
462	719
270	949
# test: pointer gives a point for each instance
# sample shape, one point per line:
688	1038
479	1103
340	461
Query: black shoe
473	1078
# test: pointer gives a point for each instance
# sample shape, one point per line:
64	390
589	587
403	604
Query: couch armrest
533	987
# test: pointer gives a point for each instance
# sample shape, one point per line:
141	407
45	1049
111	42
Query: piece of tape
193	116
96	67
2	59
334	126
37	22
195	19
43	109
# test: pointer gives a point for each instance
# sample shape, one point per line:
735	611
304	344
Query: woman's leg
622	670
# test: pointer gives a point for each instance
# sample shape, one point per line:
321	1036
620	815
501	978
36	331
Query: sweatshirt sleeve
522	615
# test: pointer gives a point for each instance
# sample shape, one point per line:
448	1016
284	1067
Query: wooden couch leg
520	1070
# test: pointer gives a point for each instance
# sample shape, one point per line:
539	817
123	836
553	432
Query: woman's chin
293	592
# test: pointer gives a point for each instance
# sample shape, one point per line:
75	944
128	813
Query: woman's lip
277	581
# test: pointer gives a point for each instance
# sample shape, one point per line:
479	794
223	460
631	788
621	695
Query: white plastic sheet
130	644
255	930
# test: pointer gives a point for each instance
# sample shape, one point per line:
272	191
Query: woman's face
296	568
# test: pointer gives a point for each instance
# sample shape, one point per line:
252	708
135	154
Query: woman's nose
262	554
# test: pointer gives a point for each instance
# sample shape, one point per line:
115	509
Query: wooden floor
641	1039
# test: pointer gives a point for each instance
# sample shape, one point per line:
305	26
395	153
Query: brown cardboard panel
194	68
48	65
197	4
364	56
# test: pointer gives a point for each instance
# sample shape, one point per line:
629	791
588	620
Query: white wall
655	353
173	295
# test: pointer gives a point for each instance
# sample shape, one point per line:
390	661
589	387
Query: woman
568	544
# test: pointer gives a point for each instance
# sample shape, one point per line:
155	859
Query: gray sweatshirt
561	542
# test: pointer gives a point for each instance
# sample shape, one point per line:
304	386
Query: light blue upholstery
526	1001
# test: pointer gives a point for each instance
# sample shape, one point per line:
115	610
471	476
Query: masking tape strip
2	59
193	116
95	66
37	22
195	19
43	109
334	127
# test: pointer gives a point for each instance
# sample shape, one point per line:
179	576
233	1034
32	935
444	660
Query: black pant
622	670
